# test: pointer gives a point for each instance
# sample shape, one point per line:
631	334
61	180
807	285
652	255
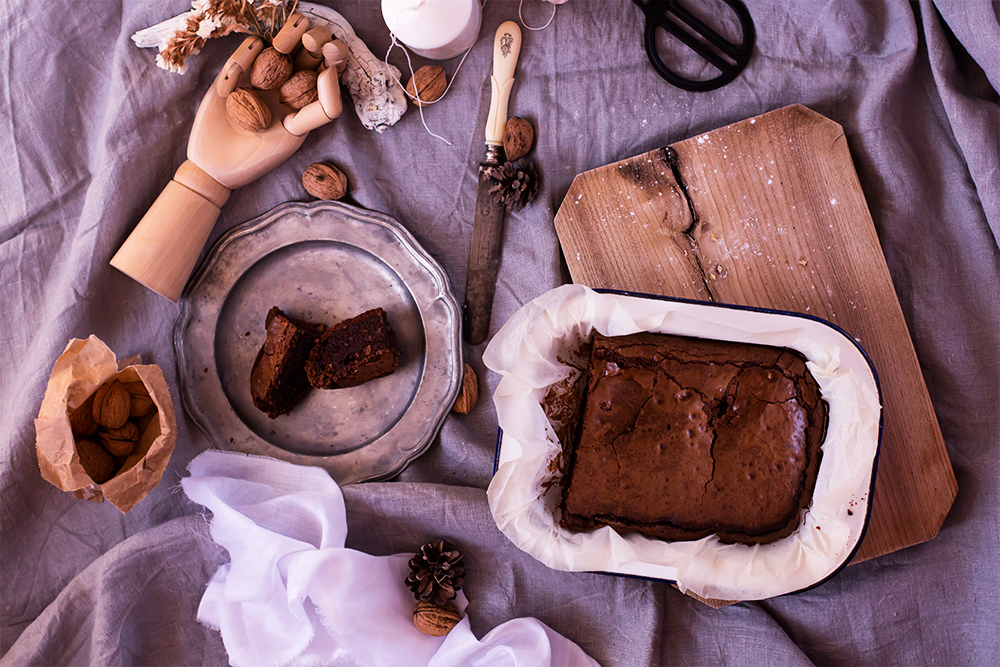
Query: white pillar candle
435	29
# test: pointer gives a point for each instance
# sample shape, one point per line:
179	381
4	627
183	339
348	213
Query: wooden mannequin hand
234	156
162	250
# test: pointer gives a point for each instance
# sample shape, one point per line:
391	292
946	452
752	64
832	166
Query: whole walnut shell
121	441
518	138
324	181
300	89
435	620
140	406
112	405
248	110
95	460
469	394
271	69
430	81
141	403
82	419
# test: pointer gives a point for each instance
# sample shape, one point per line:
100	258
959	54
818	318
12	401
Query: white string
543	27
421	103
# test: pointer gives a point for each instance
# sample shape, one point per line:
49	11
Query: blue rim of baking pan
805	316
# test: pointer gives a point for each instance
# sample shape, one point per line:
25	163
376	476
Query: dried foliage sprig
217	18
183	43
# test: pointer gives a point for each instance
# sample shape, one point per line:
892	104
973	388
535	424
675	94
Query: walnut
300	89
271	69
469	394
324	181
121	441
140	401
111	405
517	138
430	82
434	620
247	110
95	460
82	419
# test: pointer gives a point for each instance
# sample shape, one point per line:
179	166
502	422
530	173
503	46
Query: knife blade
487	231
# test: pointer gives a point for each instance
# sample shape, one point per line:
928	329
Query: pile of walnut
107	426
295	81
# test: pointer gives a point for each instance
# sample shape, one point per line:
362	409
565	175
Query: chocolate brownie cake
683	437
278	379
353	352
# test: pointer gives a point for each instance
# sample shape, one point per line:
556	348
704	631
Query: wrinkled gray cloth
91	130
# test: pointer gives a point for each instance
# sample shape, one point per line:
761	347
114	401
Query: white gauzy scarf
293	595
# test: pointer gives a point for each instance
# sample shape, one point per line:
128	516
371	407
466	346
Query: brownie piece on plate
278	380
353	352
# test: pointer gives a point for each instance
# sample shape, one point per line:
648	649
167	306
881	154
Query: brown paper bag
83	367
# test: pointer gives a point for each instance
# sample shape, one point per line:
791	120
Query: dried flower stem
262	18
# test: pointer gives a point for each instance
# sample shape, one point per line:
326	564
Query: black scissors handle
669	15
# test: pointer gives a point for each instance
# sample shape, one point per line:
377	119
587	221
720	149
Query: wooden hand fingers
238	63
328	107
335	55
288	37
312	47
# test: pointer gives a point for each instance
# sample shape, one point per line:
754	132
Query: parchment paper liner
83	367
530	353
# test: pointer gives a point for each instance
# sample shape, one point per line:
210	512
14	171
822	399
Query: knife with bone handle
487	233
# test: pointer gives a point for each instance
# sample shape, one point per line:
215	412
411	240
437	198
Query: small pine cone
436	572
514	184
501	177
525	184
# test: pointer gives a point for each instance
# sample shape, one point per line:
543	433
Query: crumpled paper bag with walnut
79	372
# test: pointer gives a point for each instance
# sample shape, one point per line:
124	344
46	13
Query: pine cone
437	572
513	184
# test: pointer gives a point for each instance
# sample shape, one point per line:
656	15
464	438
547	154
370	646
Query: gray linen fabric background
91	130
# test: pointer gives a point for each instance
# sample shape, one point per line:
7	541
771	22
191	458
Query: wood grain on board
769	212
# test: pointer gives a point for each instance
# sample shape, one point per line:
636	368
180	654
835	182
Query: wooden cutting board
769	212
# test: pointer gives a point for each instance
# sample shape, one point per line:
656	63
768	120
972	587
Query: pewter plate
323	262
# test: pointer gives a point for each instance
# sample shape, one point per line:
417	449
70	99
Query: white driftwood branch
156	35
378	100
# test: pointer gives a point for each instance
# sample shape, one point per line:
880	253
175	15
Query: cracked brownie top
684	437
